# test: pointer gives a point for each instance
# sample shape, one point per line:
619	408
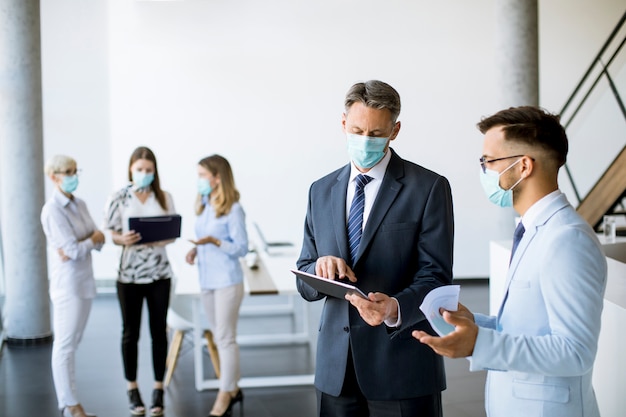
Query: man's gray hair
375	94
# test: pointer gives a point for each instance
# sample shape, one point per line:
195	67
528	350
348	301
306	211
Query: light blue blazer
540	348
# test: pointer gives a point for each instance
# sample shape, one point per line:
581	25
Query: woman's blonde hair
225	195
58	164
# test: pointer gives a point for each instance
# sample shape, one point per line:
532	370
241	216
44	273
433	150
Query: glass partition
595	119
596	137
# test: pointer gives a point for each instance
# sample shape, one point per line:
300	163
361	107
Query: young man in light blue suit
540	348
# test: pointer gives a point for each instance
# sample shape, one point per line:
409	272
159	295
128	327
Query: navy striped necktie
355	217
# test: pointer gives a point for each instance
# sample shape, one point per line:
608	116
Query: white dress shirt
371	189
530	217
68	226
377	173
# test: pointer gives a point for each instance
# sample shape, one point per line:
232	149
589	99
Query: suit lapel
527	239
389	190
338	209
529	234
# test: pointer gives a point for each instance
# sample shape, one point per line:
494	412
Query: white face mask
490	180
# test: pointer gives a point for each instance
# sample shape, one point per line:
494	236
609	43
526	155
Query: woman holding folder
221	240
72	235
144	272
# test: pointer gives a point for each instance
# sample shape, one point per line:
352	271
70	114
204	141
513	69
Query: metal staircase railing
594	117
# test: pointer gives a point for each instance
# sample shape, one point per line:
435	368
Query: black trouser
352	403
131	296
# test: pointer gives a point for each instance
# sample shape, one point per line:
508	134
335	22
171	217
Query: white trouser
222	310
70	315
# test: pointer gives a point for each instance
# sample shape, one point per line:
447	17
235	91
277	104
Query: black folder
156	228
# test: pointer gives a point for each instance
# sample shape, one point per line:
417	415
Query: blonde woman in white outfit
221	240
72	235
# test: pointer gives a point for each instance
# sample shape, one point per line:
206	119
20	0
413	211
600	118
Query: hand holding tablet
329	287
156	228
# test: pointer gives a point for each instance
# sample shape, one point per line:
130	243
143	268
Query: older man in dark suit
386	225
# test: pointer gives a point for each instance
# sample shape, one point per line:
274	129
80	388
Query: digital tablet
328	286
156	228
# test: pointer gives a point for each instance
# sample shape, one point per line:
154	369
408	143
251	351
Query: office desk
272	276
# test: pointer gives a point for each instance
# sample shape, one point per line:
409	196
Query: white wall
75	92
262	83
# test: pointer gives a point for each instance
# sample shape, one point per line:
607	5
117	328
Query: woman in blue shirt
221	240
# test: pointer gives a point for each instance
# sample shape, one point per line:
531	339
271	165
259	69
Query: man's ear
395	131
528	165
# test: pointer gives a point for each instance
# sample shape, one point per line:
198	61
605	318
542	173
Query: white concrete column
517	52
27	312
517	63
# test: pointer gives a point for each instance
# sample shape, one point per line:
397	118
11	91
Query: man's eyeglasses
484	161
69	172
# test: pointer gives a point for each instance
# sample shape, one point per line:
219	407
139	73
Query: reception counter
609	377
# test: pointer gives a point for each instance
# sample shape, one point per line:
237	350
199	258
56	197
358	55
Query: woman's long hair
225	194
145	153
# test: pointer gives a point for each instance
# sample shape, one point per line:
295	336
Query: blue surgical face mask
204	187
69	183
141	179
366	151
490	180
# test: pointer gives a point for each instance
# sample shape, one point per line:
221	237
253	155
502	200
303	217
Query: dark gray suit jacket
405	251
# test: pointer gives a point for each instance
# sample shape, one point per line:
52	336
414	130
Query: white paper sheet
446	297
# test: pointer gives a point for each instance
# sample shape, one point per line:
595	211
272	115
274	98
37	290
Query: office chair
180	320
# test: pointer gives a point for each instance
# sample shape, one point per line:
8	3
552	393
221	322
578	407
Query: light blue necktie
517	236
355	218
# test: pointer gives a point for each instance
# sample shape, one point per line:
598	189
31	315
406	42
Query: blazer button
346	329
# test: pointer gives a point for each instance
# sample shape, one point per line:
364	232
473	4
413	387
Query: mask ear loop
509	167
515	185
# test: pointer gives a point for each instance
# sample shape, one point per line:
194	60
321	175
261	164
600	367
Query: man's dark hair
531	126
375	94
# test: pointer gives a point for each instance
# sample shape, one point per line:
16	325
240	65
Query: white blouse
68	226
139	264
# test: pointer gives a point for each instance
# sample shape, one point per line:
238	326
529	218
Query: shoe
66	412
227	413
156	409
238	398
137	408
232	400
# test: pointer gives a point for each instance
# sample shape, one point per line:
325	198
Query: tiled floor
26	387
